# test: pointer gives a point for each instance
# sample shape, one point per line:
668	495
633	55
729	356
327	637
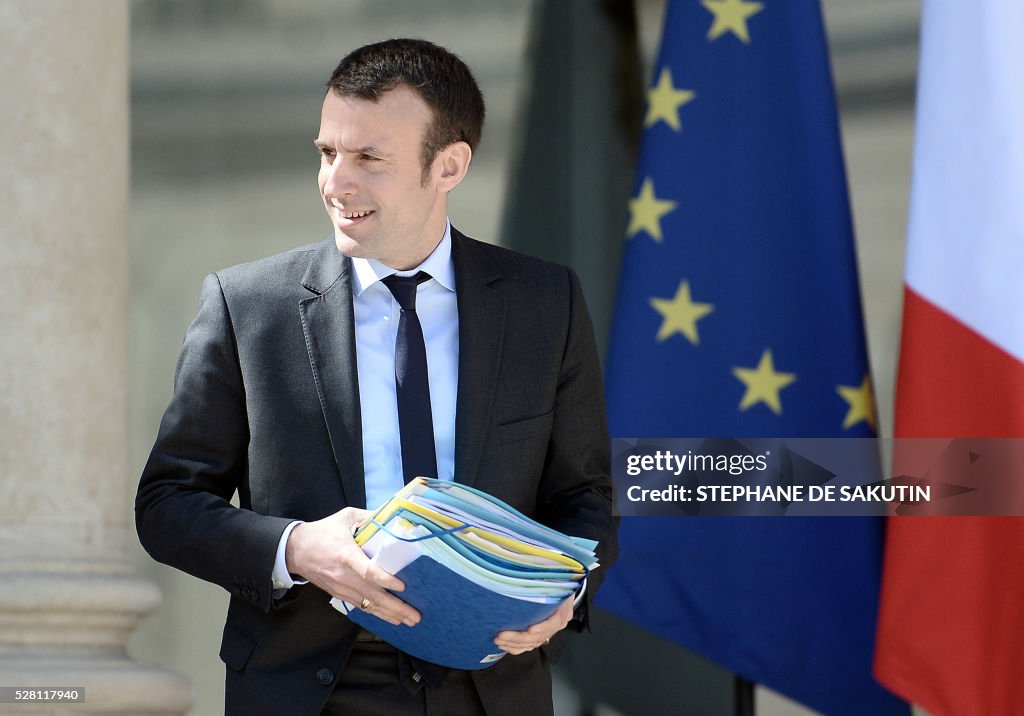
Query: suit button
324	676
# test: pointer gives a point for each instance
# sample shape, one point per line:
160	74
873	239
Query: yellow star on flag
646	210
731	16
763	383
680	314
664	101
861	400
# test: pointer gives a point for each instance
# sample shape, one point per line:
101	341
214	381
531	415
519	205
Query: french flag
951	625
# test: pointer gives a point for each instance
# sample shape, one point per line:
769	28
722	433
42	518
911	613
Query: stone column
68	600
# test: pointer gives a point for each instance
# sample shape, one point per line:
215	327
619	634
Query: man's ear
451	165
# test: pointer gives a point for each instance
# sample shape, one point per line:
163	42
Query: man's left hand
519	642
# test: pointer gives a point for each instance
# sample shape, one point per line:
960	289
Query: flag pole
743	690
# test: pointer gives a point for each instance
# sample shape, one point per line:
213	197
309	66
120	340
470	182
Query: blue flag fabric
738	315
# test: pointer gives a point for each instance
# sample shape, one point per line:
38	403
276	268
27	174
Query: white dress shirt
376	327
377	314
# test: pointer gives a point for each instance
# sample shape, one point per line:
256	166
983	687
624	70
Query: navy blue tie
414	418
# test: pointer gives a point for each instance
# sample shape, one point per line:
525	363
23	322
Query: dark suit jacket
266	403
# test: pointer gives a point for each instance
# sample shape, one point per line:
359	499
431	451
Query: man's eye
369	158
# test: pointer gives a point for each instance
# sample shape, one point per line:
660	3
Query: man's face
371	180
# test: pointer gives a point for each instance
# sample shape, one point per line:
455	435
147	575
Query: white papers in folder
390	553
402	542
478	538
472	565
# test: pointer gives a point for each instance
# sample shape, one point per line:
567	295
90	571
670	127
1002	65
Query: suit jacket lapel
481	329
328	322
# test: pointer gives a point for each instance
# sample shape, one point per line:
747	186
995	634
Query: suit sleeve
183	512
576	488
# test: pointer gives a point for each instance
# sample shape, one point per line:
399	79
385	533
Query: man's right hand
325	553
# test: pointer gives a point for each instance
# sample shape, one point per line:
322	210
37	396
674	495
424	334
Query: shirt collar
367	272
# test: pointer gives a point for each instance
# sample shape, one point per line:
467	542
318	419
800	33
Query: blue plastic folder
472	566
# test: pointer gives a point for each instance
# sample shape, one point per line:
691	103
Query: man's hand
325	553
518	642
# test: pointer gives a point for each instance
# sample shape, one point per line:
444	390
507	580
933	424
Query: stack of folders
472	566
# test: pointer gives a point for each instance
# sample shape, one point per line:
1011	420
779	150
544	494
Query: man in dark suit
290	388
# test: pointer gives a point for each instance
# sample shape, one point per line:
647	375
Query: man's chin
349	246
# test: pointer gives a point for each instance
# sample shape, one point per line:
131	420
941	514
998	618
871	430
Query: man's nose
339	181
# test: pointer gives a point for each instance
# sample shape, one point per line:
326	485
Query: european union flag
738	315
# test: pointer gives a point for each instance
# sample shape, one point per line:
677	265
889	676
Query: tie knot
403	288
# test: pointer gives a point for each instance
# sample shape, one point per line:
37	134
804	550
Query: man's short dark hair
438	76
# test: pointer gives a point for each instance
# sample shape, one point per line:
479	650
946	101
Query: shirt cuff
280	578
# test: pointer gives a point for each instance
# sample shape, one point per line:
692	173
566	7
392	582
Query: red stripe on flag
951	625
952	381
